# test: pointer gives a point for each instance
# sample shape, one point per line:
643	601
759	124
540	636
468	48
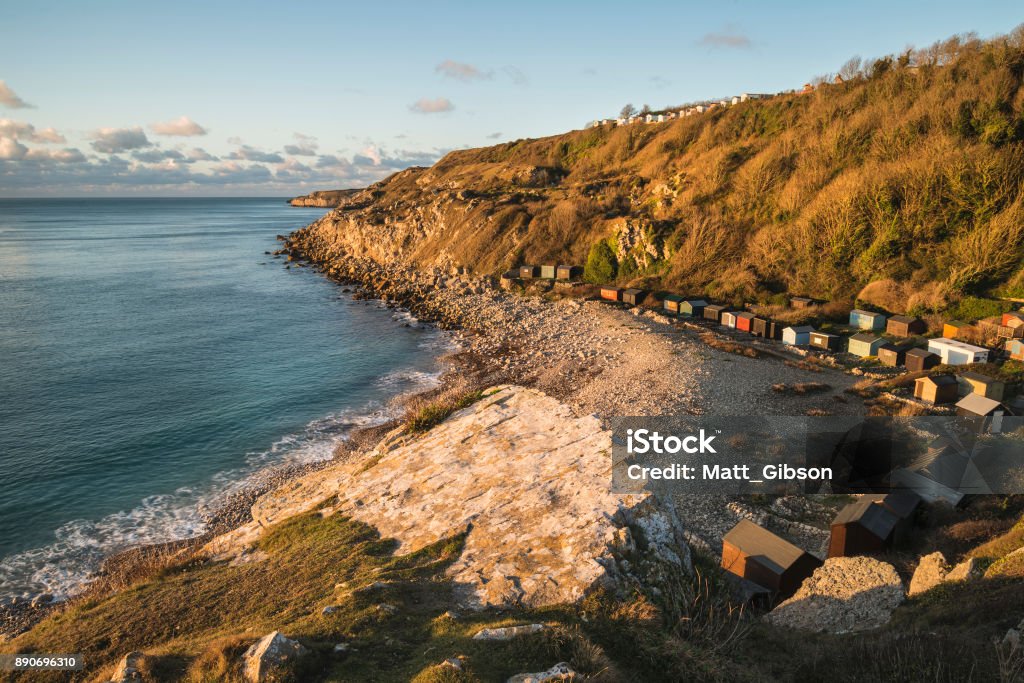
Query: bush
602	266
973	308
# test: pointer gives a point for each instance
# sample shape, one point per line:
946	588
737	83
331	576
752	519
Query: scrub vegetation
900	186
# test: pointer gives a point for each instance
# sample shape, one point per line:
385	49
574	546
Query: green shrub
972	308
602	266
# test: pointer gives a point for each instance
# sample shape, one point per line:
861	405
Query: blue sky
221	98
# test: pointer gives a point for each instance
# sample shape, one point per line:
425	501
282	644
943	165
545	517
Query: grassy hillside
905	177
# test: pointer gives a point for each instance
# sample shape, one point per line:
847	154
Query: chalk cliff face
525	477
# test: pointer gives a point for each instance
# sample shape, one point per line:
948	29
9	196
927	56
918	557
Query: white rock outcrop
559	672
525	477
270	656
129	668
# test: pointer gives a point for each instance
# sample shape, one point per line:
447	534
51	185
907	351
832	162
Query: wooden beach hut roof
775	551
976	404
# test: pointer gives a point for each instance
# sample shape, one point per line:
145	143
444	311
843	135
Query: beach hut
936	389
905	326
939	475
763	327
954	329
1015	348
714	312
797	336
671	303
824	340
527	272
862	528
801	302
565	272
1011	326
728	318
692	307
611	293
1013	319
985	413
867	320
917	360
744	321
983	385
864	344
634	297
859	529
954	352
548	272
755	554
893	355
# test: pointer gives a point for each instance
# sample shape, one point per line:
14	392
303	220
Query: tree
851	69
645	110
627	111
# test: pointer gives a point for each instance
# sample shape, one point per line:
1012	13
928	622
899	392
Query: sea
154	356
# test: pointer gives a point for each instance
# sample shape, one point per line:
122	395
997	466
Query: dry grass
800	388
728	345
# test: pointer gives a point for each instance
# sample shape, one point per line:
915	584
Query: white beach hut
955	352
797	336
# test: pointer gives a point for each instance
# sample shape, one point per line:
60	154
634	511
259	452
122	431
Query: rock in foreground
521	475
843	595
270	657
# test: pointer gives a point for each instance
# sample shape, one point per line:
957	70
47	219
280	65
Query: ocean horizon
155	358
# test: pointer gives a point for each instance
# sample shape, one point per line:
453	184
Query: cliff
324	199
902	178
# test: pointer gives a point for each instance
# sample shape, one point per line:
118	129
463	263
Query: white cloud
11	100
247	153
517	76
494	136
200	154
306	146
68	155
154	155
435	106
727	39
180	127
20	130
372	153
461	71
11	149
117	140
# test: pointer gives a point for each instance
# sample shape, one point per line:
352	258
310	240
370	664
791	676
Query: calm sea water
151	356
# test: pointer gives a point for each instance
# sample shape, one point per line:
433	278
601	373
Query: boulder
845	594
931	571
559	672
965	571
128	669
270	657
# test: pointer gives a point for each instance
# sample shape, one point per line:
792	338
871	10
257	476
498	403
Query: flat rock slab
508	632
527	478
845	594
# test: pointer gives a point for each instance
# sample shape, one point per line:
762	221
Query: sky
277	99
